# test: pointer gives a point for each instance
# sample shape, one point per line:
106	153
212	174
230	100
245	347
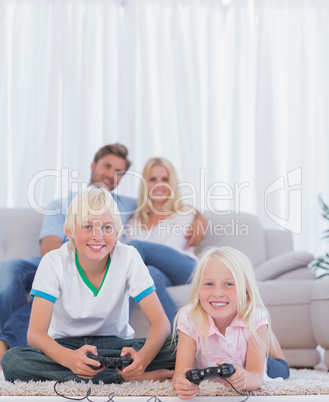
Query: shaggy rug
301	382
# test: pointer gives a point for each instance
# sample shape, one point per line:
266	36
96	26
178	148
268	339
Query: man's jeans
16	277
26	363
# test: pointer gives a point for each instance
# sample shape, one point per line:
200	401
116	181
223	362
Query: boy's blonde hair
248	296
174	202
94	200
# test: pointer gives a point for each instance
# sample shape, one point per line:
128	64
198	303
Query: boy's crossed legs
26	363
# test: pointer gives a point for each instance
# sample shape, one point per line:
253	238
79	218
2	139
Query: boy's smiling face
95	239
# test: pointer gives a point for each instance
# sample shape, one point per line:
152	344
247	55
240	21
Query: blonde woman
226	322
160	230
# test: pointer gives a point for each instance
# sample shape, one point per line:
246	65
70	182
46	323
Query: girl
226	322
159	230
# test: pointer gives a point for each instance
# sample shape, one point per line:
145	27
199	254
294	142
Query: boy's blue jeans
26	363
16	277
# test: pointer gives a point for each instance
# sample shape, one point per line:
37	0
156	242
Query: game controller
111	362
197	375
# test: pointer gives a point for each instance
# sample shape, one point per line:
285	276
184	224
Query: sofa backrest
244	232
21	228
20	233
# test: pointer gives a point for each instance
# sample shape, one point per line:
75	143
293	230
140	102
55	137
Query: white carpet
301	382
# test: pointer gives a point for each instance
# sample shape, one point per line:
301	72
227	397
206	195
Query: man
16	276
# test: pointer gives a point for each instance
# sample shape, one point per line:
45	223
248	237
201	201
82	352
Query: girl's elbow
256	384
254	387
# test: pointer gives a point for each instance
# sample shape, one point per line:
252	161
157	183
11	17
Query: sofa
297	302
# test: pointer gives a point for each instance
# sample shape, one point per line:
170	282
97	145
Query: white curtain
235	93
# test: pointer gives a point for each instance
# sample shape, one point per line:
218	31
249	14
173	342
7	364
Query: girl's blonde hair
248	296
94	200
174	202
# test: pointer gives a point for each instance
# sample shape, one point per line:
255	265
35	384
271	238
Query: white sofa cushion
281	264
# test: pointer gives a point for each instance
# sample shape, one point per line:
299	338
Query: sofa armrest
282	264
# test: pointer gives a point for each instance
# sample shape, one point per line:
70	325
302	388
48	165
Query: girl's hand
78	362
238	379
185	389
135	370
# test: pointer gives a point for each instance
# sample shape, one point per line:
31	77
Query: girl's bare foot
3	349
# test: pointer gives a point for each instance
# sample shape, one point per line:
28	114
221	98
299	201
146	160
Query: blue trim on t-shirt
145	293
44	295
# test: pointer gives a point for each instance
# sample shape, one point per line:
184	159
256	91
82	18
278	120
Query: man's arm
49	243
52	234
198	230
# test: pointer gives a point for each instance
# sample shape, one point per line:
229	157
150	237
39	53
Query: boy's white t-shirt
77	311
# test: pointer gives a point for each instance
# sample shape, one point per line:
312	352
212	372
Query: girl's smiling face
218	295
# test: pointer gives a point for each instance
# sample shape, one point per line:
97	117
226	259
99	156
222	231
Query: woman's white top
169	232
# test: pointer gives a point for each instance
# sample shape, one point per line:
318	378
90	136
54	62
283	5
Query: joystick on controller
197	375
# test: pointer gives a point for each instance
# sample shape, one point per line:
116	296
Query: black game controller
111	362
196	376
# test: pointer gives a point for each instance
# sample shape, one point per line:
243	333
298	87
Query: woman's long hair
174	202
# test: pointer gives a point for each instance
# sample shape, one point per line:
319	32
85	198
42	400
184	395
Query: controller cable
240	393
110	396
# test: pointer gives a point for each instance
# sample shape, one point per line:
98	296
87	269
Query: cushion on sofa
283	263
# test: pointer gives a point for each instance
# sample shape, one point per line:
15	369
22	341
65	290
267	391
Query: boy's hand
135	370
238	378
78	362
185	389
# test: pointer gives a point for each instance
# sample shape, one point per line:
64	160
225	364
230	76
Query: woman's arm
184	362
159	332
251	377
198	231
75	360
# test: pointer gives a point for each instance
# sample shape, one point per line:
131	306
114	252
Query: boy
81	304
